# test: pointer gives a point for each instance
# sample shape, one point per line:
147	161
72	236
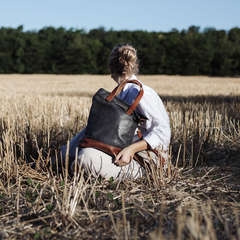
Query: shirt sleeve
157	129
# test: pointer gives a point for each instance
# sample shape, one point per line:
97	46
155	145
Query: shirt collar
133	77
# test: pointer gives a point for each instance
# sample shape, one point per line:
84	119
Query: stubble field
197	198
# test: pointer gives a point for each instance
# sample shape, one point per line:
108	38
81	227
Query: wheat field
87	85
197	198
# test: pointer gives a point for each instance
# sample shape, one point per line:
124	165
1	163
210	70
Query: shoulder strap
118	89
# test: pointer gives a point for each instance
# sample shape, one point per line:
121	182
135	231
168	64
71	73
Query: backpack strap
116	91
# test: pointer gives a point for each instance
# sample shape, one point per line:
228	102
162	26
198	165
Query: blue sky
147	15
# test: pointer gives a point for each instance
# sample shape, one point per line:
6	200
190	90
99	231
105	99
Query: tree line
59	51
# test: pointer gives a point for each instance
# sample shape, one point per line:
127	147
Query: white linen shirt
156	130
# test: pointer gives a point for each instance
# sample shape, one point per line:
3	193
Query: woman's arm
125	156
156	130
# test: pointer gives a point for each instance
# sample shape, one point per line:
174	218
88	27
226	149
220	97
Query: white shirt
156	130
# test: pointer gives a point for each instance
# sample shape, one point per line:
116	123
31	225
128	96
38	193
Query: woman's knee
87	160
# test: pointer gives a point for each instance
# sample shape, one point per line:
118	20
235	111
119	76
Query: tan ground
69	85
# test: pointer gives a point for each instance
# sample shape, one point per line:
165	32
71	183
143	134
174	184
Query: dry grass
87	85
198	198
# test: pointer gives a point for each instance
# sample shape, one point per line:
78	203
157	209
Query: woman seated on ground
156	131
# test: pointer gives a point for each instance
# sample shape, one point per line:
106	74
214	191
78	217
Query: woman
155	131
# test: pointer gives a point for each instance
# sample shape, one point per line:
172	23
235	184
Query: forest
209	52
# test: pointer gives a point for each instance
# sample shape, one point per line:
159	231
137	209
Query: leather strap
113	151
112	94
139	133
140	160
116	91
87	142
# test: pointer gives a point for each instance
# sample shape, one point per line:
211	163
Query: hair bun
124	60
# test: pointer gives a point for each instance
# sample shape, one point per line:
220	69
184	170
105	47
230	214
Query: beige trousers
99	164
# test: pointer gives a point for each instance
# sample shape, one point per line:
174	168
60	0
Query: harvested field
197	198
87	85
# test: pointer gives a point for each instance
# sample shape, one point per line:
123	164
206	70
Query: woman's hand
125	156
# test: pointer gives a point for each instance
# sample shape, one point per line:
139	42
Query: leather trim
139	133
140	160
155	151
118	89
113	151
121	86
112	94
87	142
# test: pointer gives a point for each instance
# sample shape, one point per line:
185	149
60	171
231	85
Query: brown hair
124	60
